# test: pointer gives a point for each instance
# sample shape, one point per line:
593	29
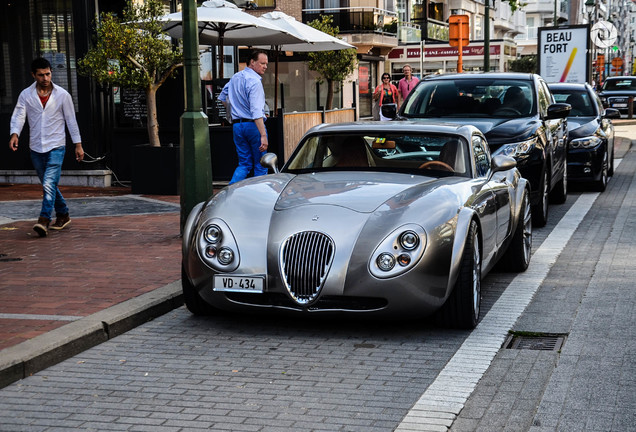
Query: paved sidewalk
117	265
589	383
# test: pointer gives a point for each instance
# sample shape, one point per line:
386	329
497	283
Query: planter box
155	170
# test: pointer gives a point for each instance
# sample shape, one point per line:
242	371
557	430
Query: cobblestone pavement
250	373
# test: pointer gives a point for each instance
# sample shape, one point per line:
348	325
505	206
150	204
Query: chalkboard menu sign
132	111
216	109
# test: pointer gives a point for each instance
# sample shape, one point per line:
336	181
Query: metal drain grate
537	342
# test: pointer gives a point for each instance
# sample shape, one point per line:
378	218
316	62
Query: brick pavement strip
47	349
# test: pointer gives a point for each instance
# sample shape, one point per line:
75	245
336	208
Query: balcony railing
409	33
358	19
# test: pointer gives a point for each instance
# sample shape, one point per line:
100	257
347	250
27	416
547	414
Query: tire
540	209
560	192
517	256
193	301
610	171
461	309
601	184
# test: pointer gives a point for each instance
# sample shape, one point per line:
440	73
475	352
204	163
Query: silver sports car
396	218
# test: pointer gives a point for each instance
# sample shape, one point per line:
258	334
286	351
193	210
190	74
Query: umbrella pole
276	53
220	55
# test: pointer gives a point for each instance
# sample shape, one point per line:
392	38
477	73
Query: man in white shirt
48	108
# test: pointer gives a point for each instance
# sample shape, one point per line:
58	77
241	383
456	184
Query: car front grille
305	261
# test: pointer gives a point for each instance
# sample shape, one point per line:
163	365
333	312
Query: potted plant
134	52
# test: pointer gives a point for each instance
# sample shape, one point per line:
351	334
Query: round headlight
385	261
225	256
409	240
213	234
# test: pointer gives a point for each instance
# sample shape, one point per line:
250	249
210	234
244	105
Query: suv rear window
471	98
620	84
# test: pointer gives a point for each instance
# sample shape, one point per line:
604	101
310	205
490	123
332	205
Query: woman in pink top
407	83
386	94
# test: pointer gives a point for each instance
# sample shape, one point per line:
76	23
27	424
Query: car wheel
560	192
461	309
192	299
517	257
601	183
610	171
540	209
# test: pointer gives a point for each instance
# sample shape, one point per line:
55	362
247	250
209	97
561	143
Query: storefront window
54	34
30	29
365	88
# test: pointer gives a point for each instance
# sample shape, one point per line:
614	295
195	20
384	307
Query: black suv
519	117
616	91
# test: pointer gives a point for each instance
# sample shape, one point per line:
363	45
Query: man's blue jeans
247	140
48	166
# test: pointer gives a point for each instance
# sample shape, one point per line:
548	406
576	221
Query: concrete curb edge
50	348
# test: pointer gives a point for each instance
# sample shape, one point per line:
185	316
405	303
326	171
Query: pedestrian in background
244	96
386	94
407	83
48	108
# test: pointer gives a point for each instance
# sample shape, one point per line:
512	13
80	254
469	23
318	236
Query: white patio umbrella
312	40
222	23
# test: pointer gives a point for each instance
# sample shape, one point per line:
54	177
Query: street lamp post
195	159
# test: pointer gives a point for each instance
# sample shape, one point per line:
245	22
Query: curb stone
34	355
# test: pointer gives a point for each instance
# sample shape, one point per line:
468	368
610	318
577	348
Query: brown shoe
61	222
42	226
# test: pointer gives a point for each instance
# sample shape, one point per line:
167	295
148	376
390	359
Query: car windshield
471	98
580	101
424	154
620	84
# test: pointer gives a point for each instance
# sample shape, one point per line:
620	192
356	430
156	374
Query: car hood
579	127
498	131
358	191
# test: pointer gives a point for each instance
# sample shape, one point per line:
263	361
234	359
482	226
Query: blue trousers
247	140
48	167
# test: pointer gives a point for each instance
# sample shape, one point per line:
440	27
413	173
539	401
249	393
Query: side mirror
270	161
612	113
558	110
502	163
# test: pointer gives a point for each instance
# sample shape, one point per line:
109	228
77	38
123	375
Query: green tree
133	55
526	63
514	4
333	66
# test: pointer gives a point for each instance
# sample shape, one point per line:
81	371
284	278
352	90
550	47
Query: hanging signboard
563	54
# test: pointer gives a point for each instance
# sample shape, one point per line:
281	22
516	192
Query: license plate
253	284
619	105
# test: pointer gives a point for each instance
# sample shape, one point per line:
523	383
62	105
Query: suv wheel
601	183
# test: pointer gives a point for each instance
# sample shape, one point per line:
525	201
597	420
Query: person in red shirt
387	95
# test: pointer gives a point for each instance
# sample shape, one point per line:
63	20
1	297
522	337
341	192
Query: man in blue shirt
246	99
